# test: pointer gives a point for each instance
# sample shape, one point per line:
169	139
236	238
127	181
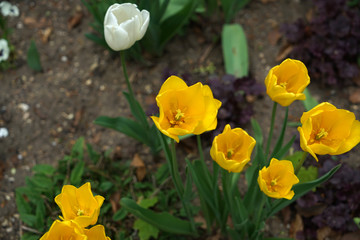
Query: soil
46	112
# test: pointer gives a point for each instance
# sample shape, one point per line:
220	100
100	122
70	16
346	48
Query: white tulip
7	9
124	24
4	50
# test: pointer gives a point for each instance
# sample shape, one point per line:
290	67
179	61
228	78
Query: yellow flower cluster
325	129
80	209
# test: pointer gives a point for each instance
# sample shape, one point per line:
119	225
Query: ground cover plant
327	43
269	179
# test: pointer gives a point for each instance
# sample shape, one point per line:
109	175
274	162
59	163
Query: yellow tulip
184	110
286	82
96	233
328	130
64	230
79	204
232	149
277	180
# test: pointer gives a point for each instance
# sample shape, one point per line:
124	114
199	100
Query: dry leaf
274	36
323	233
296	226
284	52
200	219
75	20
78	117
138	163
355	96
45	34
115	201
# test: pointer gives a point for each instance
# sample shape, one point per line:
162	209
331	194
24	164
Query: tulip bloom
124	24
96	233
286	82
61	230
79	204
277	180
232	149
185	110
328	130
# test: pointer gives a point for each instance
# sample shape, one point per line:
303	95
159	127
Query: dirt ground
46	112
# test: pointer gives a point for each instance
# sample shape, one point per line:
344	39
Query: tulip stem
301	162
201	153
126	75
179	185
271	129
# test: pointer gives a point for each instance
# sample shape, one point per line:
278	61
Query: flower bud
124	24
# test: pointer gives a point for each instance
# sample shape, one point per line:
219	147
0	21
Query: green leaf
163	221
307	174
40	215
105	186
126	126
42	182
148	202
30	236
285	149
23	206
295	158
258	135
120	215
76	173
33	58
300	190
280	140
171	25
28	219
94	156
309	102
77	150
235	50
44	169
146	230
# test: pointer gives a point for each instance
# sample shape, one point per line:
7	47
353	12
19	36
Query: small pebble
4	132
23	106
64	59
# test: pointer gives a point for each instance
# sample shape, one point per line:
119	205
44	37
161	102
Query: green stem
301	162
126	75
175	170
271	129
259	213
179	185
201	153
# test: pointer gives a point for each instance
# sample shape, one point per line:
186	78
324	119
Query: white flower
4	50
7	9
124	24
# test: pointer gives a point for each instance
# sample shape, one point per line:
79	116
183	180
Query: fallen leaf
284	52
138	163
45	34
75	20
274	36
325	233
200	219
115	201
296	226
78	117
354	96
